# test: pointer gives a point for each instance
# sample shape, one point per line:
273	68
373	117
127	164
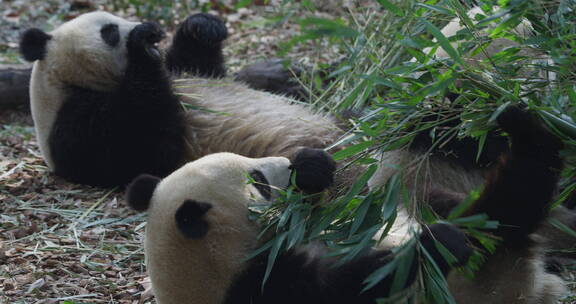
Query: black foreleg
519	191
197	47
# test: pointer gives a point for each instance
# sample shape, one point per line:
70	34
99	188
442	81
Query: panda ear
139	192
190	219
33	44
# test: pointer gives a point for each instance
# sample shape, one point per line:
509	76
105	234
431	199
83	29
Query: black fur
273	76
443	201
33	44
452	239
197	47
140	190
108	138
262	184
110	34
461	151
302	276
314	169
190	221
570	201
519	193
553	265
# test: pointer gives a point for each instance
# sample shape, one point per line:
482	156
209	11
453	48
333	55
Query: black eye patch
110	34
261	184
190	219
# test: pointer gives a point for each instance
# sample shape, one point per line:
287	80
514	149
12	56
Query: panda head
211	192
88	51
198	231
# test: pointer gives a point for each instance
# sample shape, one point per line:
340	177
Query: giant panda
517	272
455	168
106	102
198	233
198	236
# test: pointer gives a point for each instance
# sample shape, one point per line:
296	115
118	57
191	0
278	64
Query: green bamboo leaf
498	111
352	150
360	214
276	246
563	125
242	3
443	41
405	263
439	9
392	7
465	205
366	240
285	216
435	284
260	250
381	273
556	223
481	143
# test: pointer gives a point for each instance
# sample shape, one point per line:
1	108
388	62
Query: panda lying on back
198	233
198	236
105	107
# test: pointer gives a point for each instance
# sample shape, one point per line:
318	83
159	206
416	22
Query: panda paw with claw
203	28
452	239
314	170
143	40
529	136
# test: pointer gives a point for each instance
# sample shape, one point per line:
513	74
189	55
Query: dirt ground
66	243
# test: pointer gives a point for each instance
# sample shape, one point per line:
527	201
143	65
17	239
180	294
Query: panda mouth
153	50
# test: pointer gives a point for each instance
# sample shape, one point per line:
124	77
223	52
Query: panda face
88	51
198	228
225	178
97	42
215	192
208	199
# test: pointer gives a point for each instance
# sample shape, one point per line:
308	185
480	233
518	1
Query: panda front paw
314	170
528	135
516	122
202	28
143	40
452	239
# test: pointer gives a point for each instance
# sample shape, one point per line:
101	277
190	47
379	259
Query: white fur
420	174
523	30
76	55
520	279
249	122
198	270
236	119
508	276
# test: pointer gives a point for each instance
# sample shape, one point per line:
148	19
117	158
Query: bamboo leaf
443	41
391	7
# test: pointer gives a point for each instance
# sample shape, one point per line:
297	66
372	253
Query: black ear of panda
33	44
190	219
140	190
314	170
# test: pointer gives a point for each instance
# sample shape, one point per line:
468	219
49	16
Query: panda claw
145	37
203	28
452	238
528	136
515	121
